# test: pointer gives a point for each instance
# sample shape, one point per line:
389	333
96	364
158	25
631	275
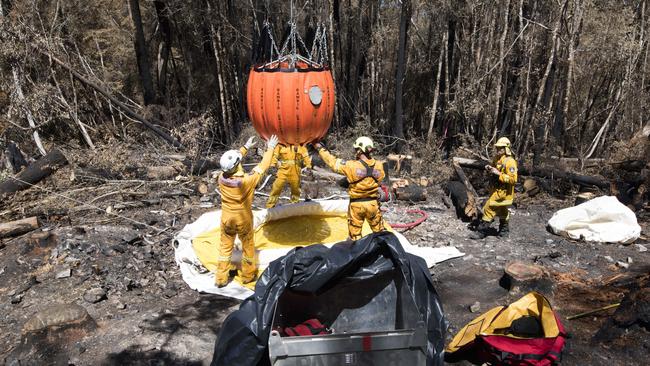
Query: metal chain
290	47
324	56
274	45
313	44
292	36
302	43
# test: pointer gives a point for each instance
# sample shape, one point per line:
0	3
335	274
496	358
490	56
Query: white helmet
229	160
364	144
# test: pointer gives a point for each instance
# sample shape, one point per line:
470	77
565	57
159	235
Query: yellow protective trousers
494	208
233	223
364	210
288	172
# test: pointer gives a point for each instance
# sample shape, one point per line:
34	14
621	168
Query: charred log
18	227
458	194
15	157
34	173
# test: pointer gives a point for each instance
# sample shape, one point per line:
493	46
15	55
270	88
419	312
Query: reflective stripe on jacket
503	190
361	184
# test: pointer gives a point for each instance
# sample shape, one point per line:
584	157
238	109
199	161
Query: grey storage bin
375	322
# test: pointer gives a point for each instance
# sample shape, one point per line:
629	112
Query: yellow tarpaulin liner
501	317
287	232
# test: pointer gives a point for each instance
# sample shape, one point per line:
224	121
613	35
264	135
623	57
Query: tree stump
411	193
530	187
524	277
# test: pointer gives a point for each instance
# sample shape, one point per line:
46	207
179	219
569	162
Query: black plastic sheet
244	336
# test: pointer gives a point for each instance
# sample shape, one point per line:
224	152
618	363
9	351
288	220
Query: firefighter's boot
222	277
248	270
504	229
481	231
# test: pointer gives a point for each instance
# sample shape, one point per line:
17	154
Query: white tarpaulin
200	279
602	219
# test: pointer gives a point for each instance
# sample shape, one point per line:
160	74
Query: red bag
527	332
307	328
504	350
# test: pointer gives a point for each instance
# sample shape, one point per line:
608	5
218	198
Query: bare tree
142	54
402	50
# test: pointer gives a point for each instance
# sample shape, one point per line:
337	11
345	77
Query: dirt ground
134	308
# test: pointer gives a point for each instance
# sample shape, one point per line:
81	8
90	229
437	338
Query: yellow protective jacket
362	185
237	190
289	157
503	188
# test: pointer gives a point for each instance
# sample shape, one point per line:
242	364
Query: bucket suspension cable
274	46
294	50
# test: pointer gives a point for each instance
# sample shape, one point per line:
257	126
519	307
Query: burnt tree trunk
472	208
540	105
551	173
336	57
34	173
15	157
141	54
436	89
405	18
165	47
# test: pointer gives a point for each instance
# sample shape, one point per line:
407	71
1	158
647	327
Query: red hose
412	224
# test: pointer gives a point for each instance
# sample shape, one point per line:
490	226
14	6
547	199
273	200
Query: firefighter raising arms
237	189
290	161
363	175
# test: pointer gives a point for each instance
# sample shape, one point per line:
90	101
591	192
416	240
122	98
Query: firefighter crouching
363	176
237	189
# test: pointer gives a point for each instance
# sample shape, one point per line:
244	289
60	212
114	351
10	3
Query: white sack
603	219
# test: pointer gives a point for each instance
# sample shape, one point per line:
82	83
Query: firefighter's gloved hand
250	143
272	142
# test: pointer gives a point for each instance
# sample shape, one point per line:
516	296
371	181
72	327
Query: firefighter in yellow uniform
502	191
290	160
237	189
363	176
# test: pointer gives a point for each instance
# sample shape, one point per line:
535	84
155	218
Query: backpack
526	332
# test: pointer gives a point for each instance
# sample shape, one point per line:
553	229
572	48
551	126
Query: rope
158	230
